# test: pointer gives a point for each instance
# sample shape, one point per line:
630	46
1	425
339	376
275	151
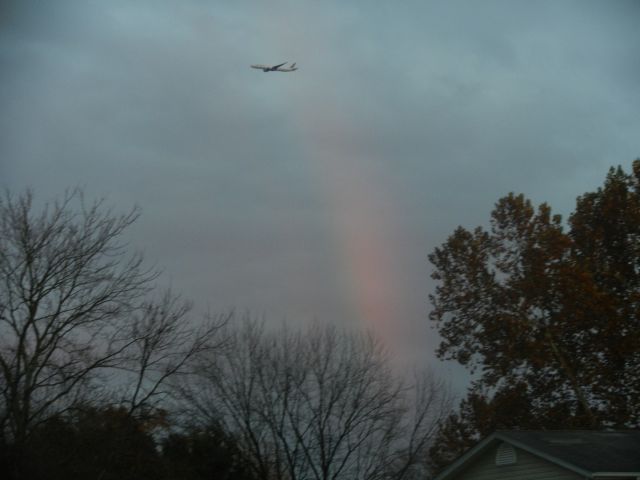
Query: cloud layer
316	194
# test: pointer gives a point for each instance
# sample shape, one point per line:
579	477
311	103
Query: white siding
527	467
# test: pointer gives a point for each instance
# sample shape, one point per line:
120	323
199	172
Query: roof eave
549	458
499	436
462	461
504	437
616	474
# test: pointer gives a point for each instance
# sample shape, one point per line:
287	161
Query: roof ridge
576	457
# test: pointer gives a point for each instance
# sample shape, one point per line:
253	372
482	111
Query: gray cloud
267	191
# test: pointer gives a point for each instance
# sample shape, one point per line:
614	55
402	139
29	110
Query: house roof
589	453
592	451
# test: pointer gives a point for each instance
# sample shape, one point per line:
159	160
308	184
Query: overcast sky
316	194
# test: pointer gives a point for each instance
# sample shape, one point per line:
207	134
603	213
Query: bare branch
319	404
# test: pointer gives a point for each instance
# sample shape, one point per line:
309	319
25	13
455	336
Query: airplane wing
269	68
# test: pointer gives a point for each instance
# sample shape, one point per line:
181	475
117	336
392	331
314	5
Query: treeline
104	376
109	443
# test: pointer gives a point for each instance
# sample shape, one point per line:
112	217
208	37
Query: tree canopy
545	312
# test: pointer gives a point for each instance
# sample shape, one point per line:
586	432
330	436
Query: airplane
276	68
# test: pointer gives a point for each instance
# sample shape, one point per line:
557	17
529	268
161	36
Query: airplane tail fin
293	65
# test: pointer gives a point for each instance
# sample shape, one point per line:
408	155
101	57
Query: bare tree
428	402
74	308
319	404
163	346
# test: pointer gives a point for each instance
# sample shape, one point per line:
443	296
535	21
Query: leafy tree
546	313
606	230
203	454
109	443
92	443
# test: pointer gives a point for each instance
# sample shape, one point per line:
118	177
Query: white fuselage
277	68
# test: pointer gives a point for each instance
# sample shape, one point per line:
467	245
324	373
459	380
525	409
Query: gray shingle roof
592	451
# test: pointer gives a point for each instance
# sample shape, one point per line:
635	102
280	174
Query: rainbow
362	220
362	209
